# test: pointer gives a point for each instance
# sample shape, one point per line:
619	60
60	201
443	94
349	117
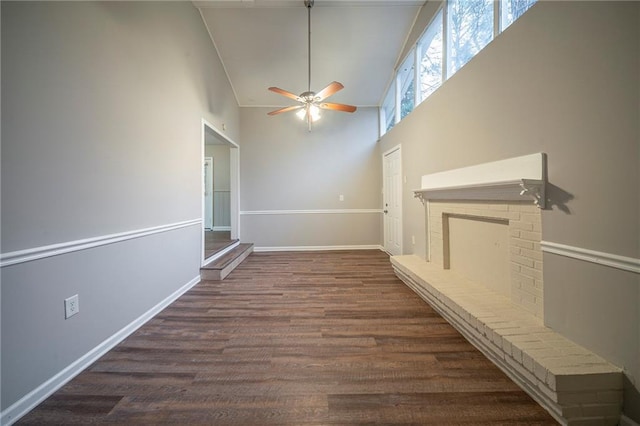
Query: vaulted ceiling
263	43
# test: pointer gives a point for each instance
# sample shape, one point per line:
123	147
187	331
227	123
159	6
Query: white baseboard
221	228
42	392
317	211
318	248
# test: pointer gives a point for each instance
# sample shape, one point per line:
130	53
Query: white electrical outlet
71	306
413	239
341	197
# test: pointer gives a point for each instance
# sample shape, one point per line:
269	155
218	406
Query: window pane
470	29
513	9
430	55
406	79
388	110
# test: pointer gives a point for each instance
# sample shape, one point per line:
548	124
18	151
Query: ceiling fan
310	102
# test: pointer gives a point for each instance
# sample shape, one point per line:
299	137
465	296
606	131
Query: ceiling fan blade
285	109
285	93
337	107
328	91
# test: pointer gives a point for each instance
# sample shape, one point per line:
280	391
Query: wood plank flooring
215	241
322	338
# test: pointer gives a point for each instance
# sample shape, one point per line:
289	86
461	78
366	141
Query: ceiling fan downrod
309	4
311	102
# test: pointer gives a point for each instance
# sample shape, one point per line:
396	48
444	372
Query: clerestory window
457	32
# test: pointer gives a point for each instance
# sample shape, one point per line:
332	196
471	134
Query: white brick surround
576	386
524	221
503	316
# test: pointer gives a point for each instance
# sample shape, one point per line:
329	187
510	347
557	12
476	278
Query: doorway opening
220	189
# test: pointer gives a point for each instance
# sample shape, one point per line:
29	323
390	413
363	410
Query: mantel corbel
534	189
420	196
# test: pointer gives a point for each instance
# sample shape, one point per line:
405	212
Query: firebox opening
478	249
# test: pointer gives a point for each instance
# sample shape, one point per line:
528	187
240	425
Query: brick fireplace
522	225
484	274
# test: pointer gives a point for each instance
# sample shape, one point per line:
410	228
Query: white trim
27	255
221	228
205	181
446	45
531	167
318	248
319	211
219	254
215	46
234	182
516	190
624	263
39	394
510	179
496	19
203	136
391	150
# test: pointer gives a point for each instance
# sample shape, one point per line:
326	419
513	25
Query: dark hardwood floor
215	241
323	338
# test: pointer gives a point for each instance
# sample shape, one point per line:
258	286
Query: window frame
411	78
450	57
421	42
384	128
498	22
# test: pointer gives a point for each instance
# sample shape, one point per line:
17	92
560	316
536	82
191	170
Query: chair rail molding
630	264
27	255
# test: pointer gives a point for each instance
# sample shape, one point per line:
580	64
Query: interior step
211	248
219	268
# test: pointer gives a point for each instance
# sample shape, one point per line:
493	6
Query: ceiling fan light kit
311	102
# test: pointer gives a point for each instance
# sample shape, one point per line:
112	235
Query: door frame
397	148
234	182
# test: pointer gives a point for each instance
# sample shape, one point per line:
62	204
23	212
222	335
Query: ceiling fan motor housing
311	101
309	97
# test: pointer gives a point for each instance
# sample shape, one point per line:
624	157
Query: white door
208	193
392	176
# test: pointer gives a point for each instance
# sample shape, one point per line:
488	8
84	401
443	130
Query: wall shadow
558	198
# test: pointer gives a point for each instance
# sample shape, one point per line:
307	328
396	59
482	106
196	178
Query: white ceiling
263	43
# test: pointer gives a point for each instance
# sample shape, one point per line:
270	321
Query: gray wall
564	79
221	165
285	167
101	134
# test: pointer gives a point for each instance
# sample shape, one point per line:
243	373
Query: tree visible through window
513	9
430	56
470	30
406	79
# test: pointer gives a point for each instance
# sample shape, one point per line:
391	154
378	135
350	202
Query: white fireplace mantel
513	179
